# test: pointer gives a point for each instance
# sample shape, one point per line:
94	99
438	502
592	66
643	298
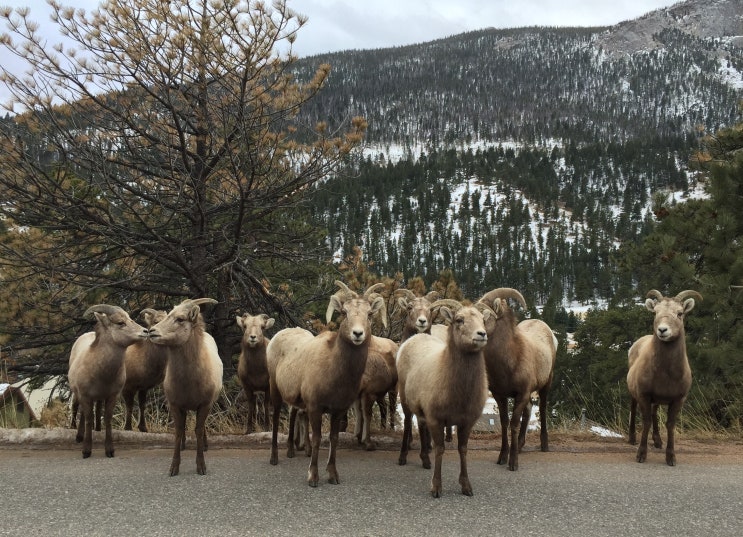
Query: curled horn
373	289
199	301
688	293
482	307
431	296
406	293
654	293
448	302
342	294
146	311
102	308
503	292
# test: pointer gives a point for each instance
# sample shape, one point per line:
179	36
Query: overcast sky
352	24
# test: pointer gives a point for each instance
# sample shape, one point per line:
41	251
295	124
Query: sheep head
356	312
668	324
344	294
152	317
253	327
179	324
418	309
466	324
116	323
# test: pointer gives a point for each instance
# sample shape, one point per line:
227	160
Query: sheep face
122	330
176	328
669	317
419	313
467	327
152	317
356	315
253	327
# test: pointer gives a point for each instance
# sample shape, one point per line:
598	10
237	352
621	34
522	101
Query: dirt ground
727	449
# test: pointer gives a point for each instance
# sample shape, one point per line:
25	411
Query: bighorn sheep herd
442	373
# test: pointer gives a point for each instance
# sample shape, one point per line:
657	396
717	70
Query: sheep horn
684	294
407	293
346	291
431	296
199	301
145	311
654	293
373	289
503	292
447	302
102	308
482	307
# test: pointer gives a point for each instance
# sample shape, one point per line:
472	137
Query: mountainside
525	157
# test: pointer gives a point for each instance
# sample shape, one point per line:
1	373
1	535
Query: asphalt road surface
52	491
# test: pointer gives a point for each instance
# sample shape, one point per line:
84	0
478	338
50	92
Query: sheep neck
670	356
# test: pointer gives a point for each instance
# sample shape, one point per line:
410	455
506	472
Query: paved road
50	492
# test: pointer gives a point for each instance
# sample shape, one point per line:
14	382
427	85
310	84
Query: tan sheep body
321	374
444	384
193	376
252	371
659	371
97	371
520	360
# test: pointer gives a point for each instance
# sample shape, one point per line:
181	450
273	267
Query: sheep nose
358	334
662	330
483	334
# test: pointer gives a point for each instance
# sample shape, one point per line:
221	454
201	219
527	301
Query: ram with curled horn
520	360
659	371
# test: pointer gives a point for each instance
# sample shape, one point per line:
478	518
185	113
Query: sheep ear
193	314
377	305
239	321
447	314
334	305
650	304
102	318
402	302
689	304
269	322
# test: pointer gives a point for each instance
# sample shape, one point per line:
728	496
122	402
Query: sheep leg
179	420
449	436
436	431
108	417
463	436
632	419
142	400
335	425
407	433
657	442
304	430
382	403
673	411
392	396
129	403
358	430
503	413
425	434
98	407
315	420
85	428
525	418
201	442
75	409
265	411
366	408
543	438
274	460
290	439
517	423
646	411
249	428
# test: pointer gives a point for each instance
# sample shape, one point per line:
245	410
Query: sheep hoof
436	492
110	454
671	460
334	481
402	461
312	483
174	468
86	454
370	446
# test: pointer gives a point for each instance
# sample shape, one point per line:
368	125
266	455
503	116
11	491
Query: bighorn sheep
252	371
97	371
145	369
418	315
520	360
659	371
193	376
321	373
444	383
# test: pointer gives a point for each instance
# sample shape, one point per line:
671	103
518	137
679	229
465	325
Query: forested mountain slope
524	157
